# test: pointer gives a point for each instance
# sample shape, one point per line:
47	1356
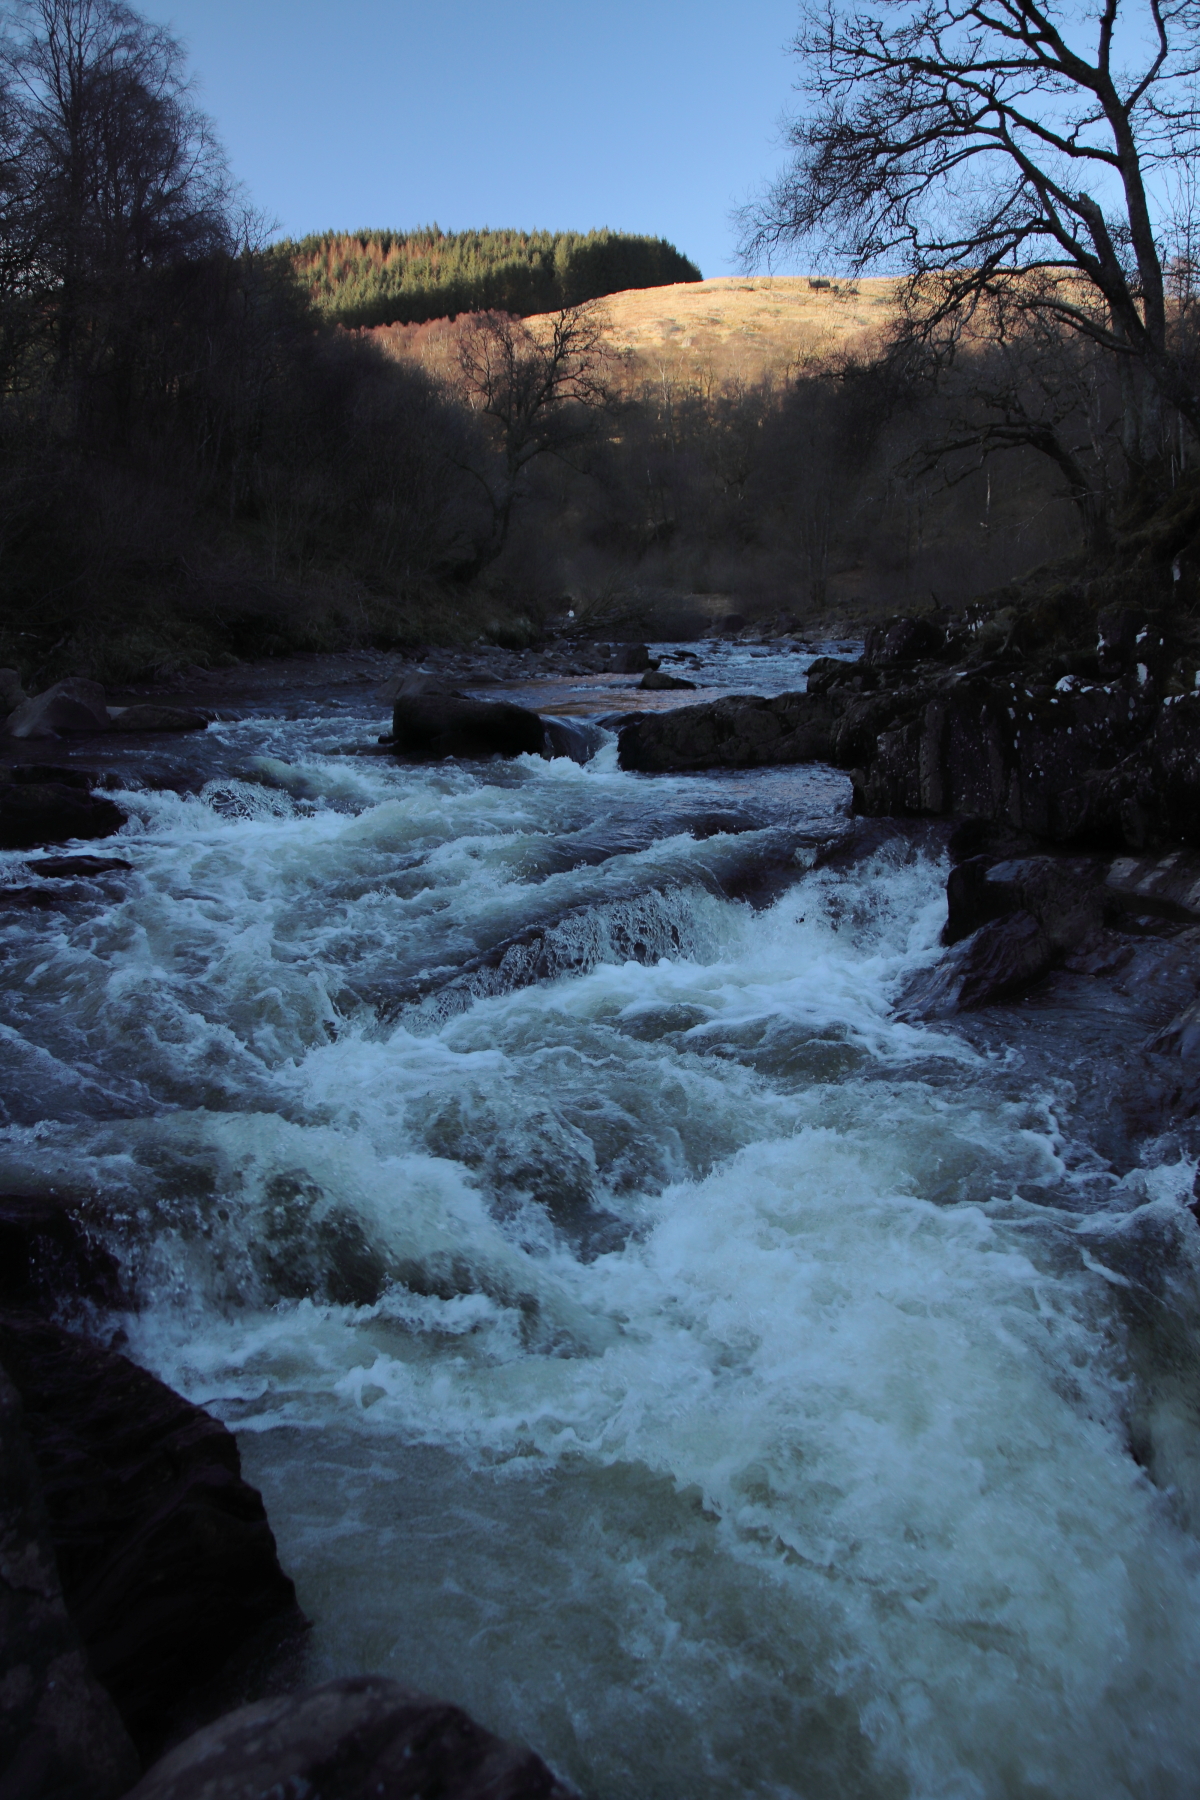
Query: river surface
638	1335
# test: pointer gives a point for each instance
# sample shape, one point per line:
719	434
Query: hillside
373	278
733	328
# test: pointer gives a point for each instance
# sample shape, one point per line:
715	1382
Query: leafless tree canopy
978	142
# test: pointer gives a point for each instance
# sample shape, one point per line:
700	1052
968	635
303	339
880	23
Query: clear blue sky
646	115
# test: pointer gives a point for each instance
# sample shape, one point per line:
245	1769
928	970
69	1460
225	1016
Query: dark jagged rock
49	1253
1003	751
61	1737
148	717
828	672
738	732
428	727
997	961
903	640
1063	894
361	1738
1152	797
657	680
72	707
51	812
167	1561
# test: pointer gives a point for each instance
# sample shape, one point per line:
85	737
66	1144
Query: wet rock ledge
1096	747
140	1590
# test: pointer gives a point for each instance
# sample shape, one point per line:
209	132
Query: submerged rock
167	1561
361	1738
148	717
61	1737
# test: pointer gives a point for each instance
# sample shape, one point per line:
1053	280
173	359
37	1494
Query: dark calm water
638	1334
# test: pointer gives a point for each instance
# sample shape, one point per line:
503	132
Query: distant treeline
394	277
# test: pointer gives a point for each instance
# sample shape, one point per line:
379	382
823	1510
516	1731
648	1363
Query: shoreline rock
40	805
60	1733
361	1738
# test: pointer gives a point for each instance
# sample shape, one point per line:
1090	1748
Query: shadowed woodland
199	460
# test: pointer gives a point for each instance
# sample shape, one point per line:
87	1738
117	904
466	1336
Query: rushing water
638	1334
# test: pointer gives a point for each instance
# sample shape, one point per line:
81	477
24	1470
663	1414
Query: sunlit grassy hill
733	328
745	327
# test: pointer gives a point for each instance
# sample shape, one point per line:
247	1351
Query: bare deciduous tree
538	390
977	143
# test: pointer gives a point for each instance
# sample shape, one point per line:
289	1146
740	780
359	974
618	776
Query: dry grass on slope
744	328
702	333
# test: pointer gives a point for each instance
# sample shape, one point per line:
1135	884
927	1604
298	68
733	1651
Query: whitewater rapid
644	1338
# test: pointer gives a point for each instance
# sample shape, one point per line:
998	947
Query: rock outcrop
362	1738
61	1737
167	1561
739	731
49	806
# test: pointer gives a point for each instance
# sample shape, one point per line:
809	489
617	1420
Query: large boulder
428	727
361	1738
51	811
167	1561
631	659
61	1737
741	731
74	706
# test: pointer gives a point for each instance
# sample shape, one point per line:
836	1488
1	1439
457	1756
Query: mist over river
638	1334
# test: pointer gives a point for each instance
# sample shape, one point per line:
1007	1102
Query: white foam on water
686	1365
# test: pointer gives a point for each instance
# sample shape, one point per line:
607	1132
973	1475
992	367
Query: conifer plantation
405	278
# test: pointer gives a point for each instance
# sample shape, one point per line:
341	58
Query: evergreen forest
393	277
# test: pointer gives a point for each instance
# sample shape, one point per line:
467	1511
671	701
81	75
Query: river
638	1334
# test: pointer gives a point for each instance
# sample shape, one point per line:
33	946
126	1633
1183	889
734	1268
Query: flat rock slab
1167	885
362	1738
